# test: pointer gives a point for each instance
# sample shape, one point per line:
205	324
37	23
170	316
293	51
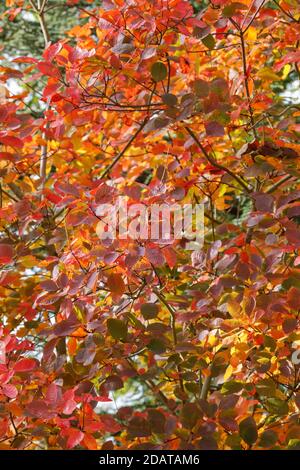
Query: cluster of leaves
147	87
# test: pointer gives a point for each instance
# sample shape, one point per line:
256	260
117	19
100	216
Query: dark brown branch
120	155
214	163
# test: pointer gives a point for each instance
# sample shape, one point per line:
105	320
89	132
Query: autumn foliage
194	99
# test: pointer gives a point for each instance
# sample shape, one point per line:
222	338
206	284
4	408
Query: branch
151	385
120	155
173	326
214	163
205	387
247	84
286	12
254	16
278	183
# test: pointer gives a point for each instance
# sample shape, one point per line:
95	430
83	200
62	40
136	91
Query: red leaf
11	141
6	253
89	442
48	69
69	407
49	286
25	365
39	409
116	284
293	298
10	390
289	325
25	60
75	436
52	51
264	202
7	156
155	256
52	393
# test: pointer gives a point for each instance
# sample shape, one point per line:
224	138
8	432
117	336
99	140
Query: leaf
268	438
112	383
117	328
66	327
39	409
89	442
25	365
201	88
9	390
190	414
248	430
148	52
68	402
149	310
209	41
11	141
169	99
74	437
289	325
156	123
278	406
293	298
48	69
155	256
49	286
159	71
231	9
228	372
232	387
157	346
264	202
214	129
116	284
6	253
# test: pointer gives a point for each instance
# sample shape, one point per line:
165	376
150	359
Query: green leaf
266	387
157	346
248	430
159	71
201	88
117	328
232	9
169	99
294	444
231	387
268	438
190	414
277	406
149	310
209	41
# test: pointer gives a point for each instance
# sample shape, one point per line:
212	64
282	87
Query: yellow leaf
234	308
252	34
268	74
29	261
228	372
286	71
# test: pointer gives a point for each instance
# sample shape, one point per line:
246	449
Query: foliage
143	87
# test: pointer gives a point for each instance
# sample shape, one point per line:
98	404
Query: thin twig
120	155
214	163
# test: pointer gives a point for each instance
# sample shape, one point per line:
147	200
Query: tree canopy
159	102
